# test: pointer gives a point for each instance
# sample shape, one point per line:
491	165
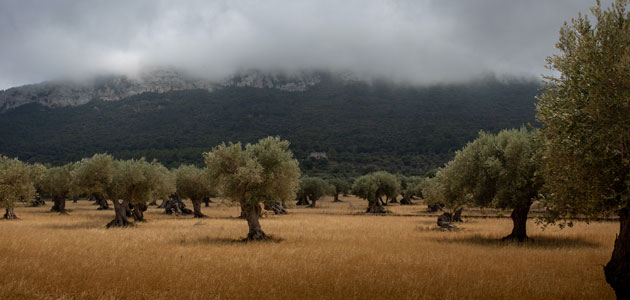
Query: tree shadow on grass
206	240
78	225
536	241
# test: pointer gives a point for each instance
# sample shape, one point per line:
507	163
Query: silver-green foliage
16	181
265	171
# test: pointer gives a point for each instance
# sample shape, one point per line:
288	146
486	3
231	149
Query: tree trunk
153	203
9	214
617	270
383	203
519	218
252	214
394	200
336	198
197	208
313	202
207	201
75	199
302	201
59	205
138	212
375	207
120	220
457	216
100	200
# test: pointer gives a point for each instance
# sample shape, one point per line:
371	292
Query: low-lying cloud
422	41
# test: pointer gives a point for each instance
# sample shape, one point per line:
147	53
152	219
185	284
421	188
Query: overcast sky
421	41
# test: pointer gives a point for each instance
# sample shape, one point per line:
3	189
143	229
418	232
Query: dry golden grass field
330	252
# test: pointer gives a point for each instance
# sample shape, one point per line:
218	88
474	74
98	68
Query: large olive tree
447	190
312	188
57	183
194	183
584	111
339	186
502	173
373	187
92	175
261	172
16	183
135	182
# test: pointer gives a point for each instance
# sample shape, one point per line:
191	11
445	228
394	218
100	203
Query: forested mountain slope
361	127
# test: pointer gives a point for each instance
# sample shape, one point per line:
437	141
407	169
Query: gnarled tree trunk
276	207
375	207
252	214
9	214
197	208
406	201
120	219
207	201
302	201
59	205
457	216
138	210
394	200
519	218
313	202
100	200
617	270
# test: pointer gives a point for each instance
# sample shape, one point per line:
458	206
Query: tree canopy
261	172
374	186
16	183
586	130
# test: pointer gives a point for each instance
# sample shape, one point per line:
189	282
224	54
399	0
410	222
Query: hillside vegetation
362	127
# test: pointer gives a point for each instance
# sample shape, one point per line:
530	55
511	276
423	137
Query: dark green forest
362	127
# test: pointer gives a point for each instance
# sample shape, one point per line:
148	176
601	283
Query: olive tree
410	187
194	183
92	175
135	182
312	188
502	173
447	190
261	172
339	186
586	129
57	183
16	183
373	187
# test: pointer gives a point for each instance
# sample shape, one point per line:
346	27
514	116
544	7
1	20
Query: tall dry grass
319	253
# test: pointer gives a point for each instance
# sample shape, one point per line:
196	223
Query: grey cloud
416	41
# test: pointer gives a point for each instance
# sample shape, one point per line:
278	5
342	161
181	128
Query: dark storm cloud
416	41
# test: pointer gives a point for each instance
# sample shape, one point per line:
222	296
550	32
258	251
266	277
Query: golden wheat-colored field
330	252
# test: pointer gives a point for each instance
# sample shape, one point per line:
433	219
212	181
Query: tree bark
394	200
617	270
302	201
120	219
207	201
153	203
197	208
59	205
9	214
519	218
336	198
252	214
138	212
100	200
375	207
313	202
457	216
